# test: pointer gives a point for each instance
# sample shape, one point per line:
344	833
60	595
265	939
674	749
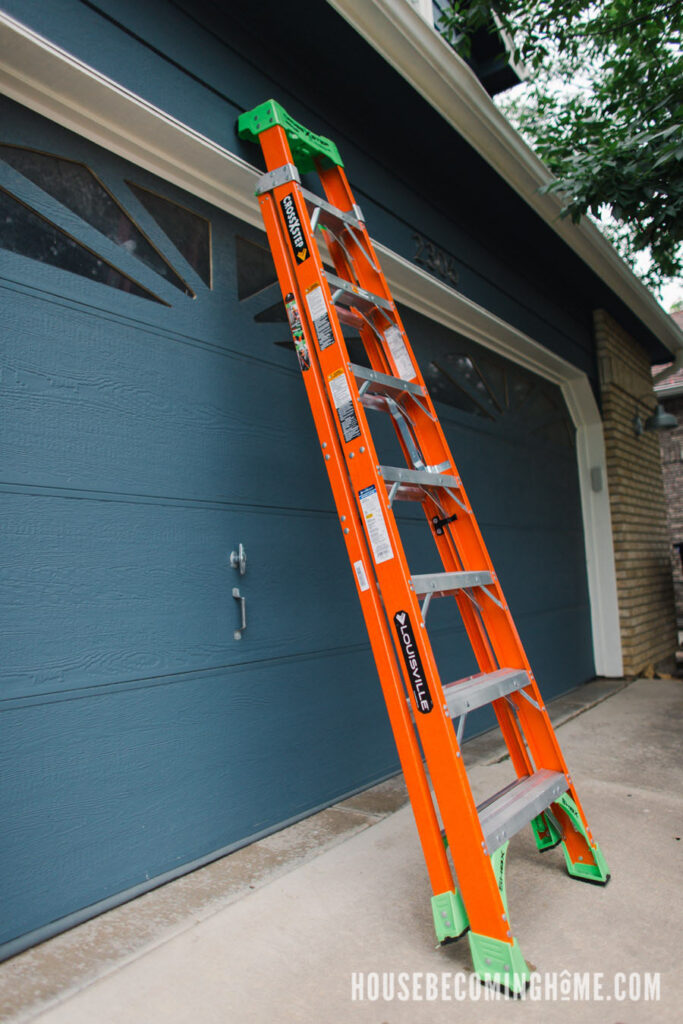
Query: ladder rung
438	584
382	383
466	695
417	477
329	214
351	295
505	813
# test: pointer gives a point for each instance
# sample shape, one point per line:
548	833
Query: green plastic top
306	146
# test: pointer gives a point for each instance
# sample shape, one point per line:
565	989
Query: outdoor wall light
659	420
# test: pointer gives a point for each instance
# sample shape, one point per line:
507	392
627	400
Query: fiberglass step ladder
395	601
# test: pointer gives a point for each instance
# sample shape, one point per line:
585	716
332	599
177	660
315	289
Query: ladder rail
410	757
436	733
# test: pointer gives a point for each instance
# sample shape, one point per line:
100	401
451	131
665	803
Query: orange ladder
395	601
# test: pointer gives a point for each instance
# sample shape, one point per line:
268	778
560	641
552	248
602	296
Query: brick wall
671	446
638	505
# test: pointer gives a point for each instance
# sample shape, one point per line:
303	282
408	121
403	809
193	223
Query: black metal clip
439	524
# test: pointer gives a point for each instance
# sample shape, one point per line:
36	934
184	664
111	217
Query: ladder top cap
306	146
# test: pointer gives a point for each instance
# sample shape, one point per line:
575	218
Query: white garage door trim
50	81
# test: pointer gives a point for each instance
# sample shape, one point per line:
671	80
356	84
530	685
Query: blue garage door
153	419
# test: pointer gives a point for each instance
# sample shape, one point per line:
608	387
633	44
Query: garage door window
484	384
76	187
190	233
28	233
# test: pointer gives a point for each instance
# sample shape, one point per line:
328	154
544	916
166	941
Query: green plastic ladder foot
545	833
499	963
450	916
597	873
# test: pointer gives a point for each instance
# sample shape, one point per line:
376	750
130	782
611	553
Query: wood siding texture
637	500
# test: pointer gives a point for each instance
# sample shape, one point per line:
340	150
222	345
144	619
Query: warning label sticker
294	317
296	235
321	321
399	353
343	403
360	573
376	527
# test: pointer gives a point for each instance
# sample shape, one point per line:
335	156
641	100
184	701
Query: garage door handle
243	612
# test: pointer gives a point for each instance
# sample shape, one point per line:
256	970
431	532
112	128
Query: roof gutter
423	58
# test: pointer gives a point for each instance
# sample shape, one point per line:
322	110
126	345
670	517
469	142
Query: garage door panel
537	567
511	481
559	646
123	590
104	792
103	405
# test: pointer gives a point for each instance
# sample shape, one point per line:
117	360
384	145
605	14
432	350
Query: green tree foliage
603	108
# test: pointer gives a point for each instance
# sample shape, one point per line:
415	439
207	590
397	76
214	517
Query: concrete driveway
329	921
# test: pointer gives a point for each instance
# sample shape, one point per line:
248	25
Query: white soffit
424	59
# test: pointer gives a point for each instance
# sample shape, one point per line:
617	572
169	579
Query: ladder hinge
280	176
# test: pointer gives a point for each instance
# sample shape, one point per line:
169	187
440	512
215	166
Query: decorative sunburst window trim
142	290
75	205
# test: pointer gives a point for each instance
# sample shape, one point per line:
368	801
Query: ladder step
346	294
329	215
413	481
466	695
382	383
505	813
438	584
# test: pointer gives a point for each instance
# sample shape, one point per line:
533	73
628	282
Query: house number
435	260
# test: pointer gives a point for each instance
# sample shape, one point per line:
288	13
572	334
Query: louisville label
296	235
343	403
411	657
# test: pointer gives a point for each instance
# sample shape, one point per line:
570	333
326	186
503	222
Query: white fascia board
50	81
425	60
57	85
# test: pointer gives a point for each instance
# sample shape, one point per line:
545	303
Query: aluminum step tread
383	382
441	583
417	477
505	813
466	695
352	295
330	214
